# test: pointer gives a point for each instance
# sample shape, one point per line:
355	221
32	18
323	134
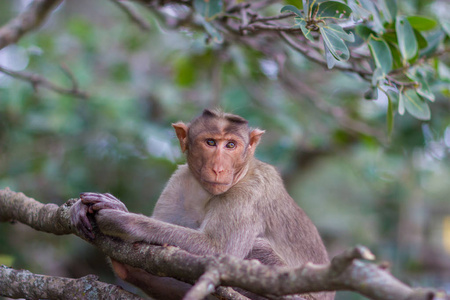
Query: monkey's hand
97	202
88	205
79	217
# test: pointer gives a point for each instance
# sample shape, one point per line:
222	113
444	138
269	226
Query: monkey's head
219	148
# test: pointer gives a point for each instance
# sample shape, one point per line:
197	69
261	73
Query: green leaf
293	9
377	76
377	23
185	71
335	44
416	106
433	41
443	72
333	9
390	111
393	95
446	26
381	53
212	31
306	7
422	23
406	39
340	32
358	11
371	93
401	104
295	3
396	56
208	8
364	32
306	31
421	41
331	61
389	10
390	117
420	75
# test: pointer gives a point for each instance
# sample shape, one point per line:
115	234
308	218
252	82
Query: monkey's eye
210	142
231	145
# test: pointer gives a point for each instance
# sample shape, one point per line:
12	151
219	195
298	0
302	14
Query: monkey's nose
217	170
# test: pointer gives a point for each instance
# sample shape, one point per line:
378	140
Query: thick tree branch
33	16
345	272
24	284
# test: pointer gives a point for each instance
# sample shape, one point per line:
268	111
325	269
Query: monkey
222	201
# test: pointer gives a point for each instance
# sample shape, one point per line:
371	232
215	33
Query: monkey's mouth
216	183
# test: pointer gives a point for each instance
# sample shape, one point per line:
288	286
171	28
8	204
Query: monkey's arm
219	233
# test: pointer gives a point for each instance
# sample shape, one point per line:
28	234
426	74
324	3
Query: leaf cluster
400	47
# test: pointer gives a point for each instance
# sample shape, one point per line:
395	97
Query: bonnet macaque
223	200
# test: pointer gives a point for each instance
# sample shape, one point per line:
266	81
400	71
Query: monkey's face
219	148
218	160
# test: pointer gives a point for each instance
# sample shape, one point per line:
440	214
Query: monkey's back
287	227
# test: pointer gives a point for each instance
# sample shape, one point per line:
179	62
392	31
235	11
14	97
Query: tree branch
24	284
38	80
205	285
33	16
133	15
345	272
342	117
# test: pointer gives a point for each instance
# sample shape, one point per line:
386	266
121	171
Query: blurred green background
390	196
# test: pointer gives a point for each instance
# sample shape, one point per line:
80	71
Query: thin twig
306	52
254	27
133	15
40	81
273	18
341	116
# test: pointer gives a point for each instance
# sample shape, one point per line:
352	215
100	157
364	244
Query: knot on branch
341	262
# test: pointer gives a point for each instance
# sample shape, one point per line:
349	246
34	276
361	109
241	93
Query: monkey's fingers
93	198
97	202
106	205
86	231
111	197
80	219
119	203
84	225
89	198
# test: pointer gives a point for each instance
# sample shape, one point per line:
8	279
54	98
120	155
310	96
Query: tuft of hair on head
209	113
218	113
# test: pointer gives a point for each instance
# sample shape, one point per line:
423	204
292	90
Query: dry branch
33	16
24	284
345	272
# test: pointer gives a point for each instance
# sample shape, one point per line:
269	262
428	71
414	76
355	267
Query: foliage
365	171
395	41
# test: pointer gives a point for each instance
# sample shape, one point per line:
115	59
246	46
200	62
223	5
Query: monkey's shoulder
265	174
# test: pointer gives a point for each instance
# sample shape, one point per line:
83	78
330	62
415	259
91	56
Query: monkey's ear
181	130
255	137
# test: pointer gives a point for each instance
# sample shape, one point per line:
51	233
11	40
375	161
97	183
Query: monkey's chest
193	216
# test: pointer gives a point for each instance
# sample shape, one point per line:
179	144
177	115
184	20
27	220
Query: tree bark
347	271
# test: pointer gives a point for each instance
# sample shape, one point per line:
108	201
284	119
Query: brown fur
248	215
